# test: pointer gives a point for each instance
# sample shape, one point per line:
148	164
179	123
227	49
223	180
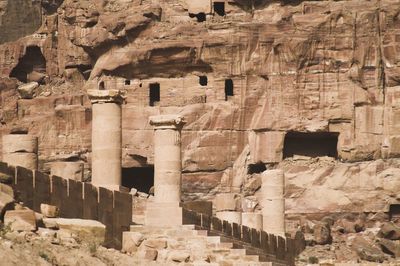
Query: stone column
106	138
226	208
273	202
68	170
21	150
167	171
252	220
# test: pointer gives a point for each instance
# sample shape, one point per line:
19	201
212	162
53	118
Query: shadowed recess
312	144
141	178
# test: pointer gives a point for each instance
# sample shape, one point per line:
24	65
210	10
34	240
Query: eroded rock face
242	79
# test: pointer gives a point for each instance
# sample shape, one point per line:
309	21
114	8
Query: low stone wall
273	248
74	199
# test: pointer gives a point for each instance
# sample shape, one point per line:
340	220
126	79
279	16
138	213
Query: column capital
167	121
105	96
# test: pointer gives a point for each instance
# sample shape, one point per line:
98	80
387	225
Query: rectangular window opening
228	89
154	94
219	8
310	144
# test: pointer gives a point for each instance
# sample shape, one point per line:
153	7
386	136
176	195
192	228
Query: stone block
131	241
59	195
87	230
230	216
246	234
255	238
199	206
74	203
49	211
236	231
24	186
156	214
68	170
42	191
156	243
90	204
227	228
20	220
216	224
20	143
225	202
148	254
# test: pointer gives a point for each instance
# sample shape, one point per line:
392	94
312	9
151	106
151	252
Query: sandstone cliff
242	74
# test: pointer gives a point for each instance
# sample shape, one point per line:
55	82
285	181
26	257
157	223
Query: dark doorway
201	17
141	178
203	80
127	82
256	168
101	85
311	144
228	89
394	212
32	61
154	94
219	8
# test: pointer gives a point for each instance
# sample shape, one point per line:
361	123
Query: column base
163	214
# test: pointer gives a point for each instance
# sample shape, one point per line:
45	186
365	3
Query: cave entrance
311	144
219	8
32	66
154	94
394	212
141	178
201	17
228	89
203	80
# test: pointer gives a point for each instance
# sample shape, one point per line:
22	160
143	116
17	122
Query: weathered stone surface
390	247
49	211
155	243
390	231
366	249
84	229
27	91
20	220
322	234
131	241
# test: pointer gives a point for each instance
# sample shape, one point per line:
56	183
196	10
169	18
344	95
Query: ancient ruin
199	132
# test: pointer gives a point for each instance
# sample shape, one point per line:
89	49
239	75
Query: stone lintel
167	121
106	96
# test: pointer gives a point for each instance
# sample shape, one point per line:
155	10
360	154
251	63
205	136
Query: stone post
106	138
21	150
68	170
273	202
167	171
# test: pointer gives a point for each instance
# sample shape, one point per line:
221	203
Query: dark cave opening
228	89
141	178
203	80
394	212
256	168
201	17
154	94
311	144
219	8
101	85
32	62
